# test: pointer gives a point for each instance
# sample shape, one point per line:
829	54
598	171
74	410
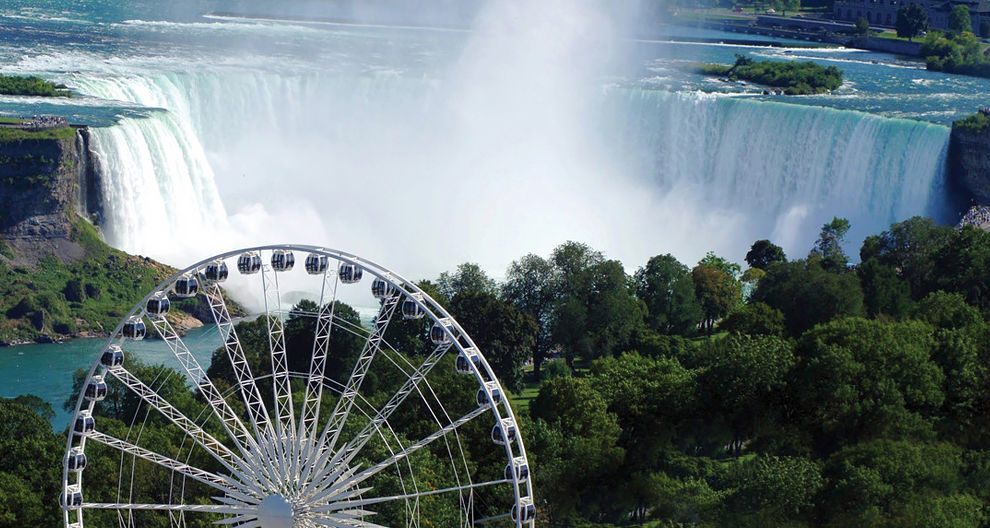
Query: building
883	13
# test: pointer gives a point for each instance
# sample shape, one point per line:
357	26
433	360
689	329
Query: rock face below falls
969	161
45	185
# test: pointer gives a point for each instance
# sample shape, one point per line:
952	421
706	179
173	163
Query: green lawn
17	134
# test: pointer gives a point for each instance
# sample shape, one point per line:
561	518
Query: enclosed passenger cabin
483	396
463	362
84	423
186	286
510	429
216	271
523	512
521	471
438	333
249	263
283	260
112	357
350	273
96	389
134	329
381	289
71	497
316	264
158	305
76	460
412	310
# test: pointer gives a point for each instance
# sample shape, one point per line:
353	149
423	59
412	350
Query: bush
754	319
975	123
556	368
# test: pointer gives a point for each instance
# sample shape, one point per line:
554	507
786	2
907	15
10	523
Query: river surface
46	370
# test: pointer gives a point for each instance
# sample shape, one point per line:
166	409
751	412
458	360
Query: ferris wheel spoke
266	443
487	520
216	481
285	421
345	504
393	403
329	486
232	424
342	409
193	508
313	395
335	521
211	445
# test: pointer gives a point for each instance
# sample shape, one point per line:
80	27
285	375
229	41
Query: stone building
883	13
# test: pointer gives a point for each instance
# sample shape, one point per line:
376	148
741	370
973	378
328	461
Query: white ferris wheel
396	422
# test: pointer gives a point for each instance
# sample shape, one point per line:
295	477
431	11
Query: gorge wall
969	161
45	183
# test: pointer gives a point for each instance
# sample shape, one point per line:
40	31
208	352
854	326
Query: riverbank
816	30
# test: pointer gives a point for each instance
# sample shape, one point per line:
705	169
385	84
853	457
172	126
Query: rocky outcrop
969	161
44	185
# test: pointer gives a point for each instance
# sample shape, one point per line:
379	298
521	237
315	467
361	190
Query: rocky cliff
45	184
969	161
57	277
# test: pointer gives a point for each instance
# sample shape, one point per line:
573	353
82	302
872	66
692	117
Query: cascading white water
158	187
382	160
786	168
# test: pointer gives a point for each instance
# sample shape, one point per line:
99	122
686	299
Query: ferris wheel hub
274	511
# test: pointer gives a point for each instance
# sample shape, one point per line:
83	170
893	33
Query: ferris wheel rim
402	289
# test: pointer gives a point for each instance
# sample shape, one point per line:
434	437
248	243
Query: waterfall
158	188
383	161
788	168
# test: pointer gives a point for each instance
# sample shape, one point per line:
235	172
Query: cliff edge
969	156
46	183
58	278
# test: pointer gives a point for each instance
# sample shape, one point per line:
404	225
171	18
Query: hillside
58	278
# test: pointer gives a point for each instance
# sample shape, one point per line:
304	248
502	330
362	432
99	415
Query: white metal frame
276	454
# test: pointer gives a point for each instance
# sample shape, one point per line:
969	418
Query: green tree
665	285
763	253
828	247
469	278
572	422
774	491
531	286
754	319
963	266
808	295
30	468
716	287
959	20
742	382
862	27
654	400
883	291
910	248
899	483
911	21
859	379
504	335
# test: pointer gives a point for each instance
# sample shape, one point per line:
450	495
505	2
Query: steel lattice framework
268	462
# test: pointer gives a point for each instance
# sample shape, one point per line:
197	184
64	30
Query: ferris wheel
305	415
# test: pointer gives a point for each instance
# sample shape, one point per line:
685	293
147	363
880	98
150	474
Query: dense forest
794	392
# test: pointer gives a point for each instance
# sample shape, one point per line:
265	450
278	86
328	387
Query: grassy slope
88	295
17	134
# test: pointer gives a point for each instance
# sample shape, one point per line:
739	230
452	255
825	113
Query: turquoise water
46	370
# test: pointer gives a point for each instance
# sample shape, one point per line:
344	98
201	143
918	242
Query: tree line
805	392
